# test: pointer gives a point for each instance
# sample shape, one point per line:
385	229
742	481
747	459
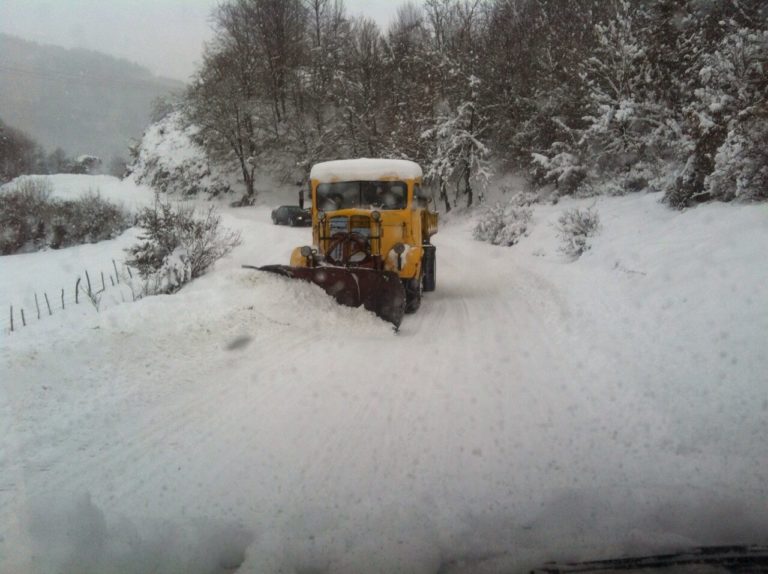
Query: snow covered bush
503	224
574	228
178	244
31	220
88	219
23	211
563	168
170	160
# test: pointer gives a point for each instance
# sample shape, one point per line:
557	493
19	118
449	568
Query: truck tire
412	294
430	267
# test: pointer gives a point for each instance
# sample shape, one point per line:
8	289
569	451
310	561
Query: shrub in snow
641	176
170	160
574	228
23	211
31	220
89	219
521	198
563	169
502	224
178	244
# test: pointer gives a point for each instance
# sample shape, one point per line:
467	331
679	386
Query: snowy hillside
534	408
79	100
170	160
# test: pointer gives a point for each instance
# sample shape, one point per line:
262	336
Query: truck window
363	194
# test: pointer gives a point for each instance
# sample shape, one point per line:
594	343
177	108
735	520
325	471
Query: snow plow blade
378	291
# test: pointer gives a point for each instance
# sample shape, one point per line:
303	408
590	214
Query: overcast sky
165	36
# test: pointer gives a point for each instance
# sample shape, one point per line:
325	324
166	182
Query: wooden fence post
117	275
112	280
11	318
103	286
48	303
88	279
38	307
77	291
62	298
23	318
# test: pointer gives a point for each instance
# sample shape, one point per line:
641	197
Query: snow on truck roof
365	170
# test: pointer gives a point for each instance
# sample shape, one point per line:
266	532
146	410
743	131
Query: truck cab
374	214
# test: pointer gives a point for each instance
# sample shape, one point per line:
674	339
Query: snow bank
112	189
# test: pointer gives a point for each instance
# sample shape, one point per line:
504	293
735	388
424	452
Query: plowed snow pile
533	409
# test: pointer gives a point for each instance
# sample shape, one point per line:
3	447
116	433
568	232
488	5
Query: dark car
292	215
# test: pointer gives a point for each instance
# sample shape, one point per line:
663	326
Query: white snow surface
73	186
25	274
364	169
533	409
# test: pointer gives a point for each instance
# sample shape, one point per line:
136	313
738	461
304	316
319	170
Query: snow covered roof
364	169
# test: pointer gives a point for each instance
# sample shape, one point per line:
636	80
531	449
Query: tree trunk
444	195
467	184
247	178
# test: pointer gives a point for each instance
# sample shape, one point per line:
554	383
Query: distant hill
82	101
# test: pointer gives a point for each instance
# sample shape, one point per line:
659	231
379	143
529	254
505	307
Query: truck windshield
362	194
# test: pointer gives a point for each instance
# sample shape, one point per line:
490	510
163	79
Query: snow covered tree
218	104
627	121
316	123
459	155
733	101
457	134
577	92
724	52
410	88
362	87
533	52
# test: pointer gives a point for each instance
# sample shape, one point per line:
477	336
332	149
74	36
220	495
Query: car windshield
363	194
292	209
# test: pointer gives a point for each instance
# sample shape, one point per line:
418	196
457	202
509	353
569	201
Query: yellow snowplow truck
371	228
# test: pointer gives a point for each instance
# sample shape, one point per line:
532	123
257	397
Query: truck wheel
412	294
430	268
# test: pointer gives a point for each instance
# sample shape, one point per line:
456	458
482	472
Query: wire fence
87	289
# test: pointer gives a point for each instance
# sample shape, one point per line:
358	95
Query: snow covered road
532	409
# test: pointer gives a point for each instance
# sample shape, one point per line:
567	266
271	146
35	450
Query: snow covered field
533	409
